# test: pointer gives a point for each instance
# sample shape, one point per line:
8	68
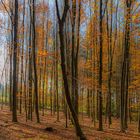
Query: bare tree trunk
125	69
100	69
22	56
77	56
34	62
14	112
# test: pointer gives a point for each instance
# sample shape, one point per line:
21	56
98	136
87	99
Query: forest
69	70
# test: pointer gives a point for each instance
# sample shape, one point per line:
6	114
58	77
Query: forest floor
32	131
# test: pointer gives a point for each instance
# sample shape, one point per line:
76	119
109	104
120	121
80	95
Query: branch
105	8
6	10
57	9
66	8
136	9
64	15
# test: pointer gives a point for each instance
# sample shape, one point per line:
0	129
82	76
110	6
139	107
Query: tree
125	68
15	62
61	22
100	66
34	60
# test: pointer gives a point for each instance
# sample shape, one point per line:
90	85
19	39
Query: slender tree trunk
14	112
125	69
100	69
34	62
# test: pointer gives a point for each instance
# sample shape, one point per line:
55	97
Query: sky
2	42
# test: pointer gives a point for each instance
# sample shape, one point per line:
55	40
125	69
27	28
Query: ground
32	131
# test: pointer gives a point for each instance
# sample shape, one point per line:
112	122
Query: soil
30	130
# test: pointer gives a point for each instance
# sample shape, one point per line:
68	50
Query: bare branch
57	9
6	10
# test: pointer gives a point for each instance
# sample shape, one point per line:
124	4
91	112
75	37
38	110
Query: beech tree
14	108
63	66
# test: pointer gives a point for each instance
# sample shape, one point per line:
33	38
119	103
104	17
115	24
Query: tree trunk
14	112
100	69
34	62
